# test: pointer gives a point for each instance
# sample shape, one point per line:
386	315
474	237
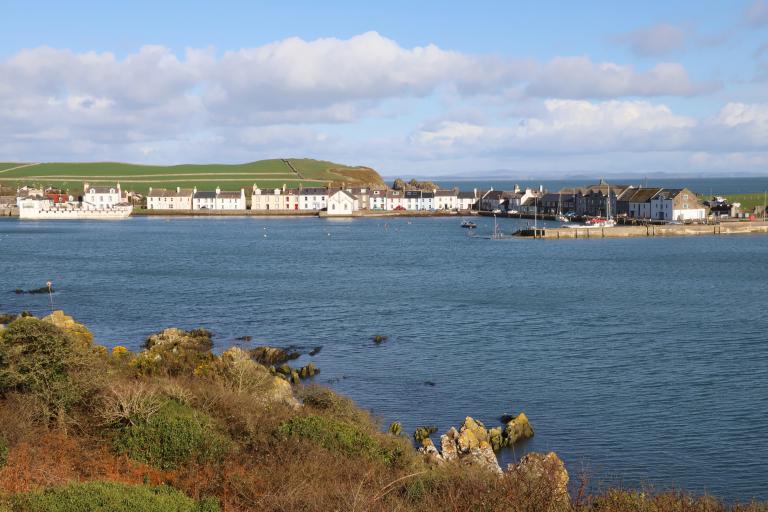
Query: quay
651	230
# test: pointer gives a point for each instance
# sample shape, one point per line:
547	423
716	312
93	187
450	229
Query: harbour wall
725	228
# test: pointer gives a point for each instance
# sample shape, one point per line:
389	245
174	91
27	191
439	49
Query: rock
284	369
77	331
477	428
423	432
483	456
379	339
295	377
544	472
496	438
315	351
448	445
272	355
518	428
244	338
431	455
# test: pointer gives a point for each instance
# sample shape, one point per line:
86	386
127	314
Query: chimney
218	191
150	190
283	187
178	190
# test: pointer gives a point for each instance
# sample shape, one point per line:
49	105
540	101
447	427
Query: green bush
345	438
176	434
40	359
110	497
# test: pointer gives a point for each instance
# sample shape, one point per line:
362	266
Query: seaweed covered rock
546	472
518	428
449	444
471	434
272	355
430	453
76	331
175	352
423	432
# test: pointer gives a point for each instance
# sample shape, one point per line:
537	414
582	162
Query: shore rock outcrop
544	471
267	355
518	428
469	445
77	331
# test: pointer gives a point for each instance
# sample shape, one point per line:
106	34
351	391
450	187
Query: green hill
266	173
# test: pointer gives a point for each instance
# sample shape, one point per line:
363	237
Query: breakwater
725	228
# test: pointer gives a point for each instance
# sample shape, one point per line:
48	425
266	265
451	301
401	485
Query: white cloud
656	40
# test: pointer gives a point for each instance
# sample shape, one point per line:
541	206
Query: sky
427	89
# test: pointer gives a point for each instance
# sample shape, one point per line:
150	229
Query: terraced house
164	199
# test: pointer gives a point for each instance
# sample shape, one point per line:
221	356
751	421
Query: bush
110	497
345	438
174	435
41	359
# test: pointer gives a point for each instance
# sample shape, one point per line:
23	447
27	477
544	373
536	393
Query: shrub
130	404
41	359
175	435
110	497
345	438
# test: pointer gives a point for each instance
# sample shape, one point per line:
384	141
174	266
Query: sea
642	362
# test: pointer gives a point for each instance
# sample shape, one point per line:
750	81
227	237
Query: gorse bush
176	434
110	497
346	438
42	360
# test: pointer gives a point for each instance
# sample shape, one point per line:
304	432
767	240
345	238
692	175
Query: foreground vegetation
267	173
177	428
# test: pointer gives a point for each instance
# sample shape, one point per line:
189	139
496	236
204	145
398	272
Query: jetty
651	230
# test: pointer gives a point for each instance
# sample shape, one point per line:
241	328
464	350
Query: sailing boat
607	222
560	217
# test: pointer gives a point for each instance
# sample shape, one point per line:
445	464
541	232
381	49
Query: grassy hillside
266	173
748	201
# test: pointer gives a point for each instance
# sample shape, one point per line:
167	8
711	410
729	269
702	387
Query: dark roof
551	197
642	195
102	190
205	194
229	195
493	194
466	195
428	195
314	191
445	193
412	194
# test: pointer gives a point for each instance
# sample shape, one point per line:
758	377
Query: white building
163	199
98	198
465	200
394	200
342	202
204	200
678	204
446	200
377	200
313	198
226	200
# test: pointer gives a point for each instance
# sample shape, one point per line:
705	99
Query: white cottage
342	202
98	198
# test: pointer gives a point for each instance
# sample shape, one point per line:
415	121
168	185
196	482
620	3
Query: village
627	204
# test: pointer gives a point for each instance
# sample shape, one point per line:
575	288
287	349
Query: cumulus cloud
287	97
654	41
756	14
566	126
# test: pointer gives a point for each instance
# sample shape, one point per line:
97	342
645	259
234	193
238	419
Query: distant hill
266	173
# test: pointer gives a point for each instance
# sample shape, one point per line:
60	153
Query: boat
468	224
597	222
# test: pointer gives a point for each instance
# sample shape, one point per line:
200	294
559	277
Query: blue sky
418	88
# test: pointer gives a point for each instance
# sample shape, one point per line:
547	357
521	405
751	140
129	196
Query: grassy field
266	173
748	201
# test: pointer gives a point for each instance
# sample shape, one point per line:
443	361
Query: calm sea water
643	361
